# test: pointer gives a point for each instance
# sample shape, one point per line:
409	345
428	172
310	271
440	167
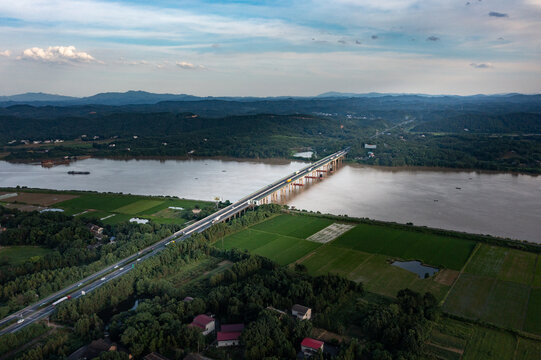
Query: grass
138	206
469	296
16	255
431	249
127	206
506	304
537	276
490	344
474	341
103	202
502	303
532	322
487	261
183	203
478	342
296	226
496	288
528	349
282	249
118	218
279	239
519	266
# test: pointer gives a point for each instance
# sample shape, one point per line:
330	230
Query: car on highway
116	267
102	279
79	284
121	269
20	321
139	259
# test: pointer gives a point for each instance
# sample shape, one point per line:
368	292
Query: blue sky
270	48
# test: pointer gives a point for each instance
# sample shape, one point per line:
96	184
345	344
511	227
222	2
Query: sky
270	48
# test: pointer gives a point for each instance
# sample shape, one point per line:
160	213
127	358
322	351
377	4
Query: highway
44	307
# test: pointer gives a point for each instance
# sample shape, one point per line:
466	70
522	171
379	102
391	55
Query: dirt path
451	349
305	257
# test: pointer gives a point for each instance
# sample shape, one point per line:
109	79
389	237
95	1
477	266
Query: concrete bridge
270	193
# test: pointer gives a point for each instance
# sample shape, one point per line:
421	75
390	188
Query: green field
282	249
275	239
16	255
487	261
453	339
533	315
103	202
528	350
537	276
431	249
519	266
490	344
126	206
138	206
496	287
296	226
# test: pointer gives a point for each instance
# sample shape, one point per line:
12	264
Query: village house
301	312
205	323
311	346
96	230
229	335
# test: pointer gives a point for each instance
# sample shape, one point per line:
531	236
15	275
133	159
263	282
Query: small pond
416	267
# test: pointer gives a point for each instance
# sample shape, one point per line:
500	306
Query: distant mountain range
147	98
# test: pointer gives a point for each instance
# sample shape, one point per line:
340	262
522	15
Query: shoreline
284	161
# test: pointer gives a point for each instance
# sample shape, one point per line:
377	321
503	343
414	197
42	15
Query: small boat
78	172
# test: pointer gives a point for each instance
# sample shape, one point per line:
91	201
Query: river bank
283	161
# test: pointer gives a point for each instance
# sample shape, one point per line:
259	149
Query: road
44	307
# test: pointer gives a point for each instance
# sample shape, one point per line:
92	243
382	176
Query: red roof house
311	346
204	322
229	334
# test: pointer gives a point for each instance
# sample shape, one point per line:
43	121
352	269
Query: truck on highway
60	300
288	180
216	219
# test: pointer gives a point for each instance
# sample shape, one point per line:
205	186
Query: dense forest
490	133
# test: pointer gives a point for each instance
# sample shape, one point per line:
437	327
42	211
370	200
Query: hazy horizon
277	96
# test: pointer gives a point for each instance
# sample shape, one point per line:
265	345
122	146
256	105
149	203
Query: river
505	205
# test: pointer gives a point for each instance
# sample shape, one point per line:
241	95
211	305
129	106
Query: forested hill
496	133
390	107
161	125
485	123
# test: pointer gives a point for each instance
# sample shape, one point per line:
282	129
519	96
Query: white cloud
5	53
57	54
177	23
189	66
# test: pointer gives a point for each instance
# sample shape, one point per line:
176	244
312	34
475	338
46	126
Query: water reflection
416	267
498	204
